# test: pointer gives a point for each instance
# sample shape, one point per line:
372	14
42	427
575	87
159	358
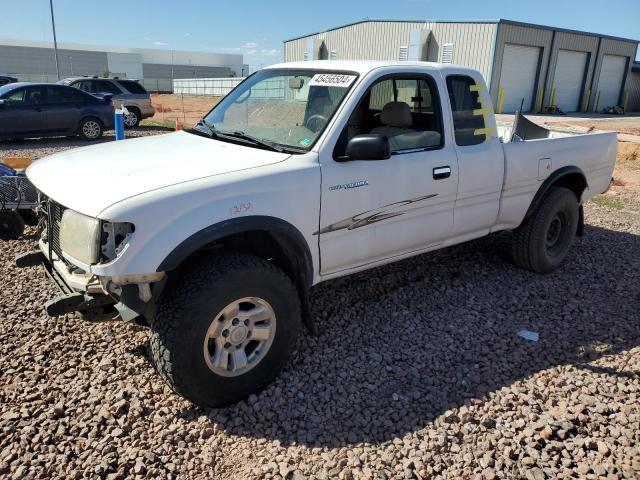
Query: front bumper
93	306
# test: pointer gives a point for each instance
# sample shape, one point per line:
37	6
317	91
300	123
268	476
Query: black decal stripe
372	216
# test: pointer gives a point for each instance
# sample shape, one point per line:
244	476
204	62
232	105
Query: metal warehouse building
34	61
532	65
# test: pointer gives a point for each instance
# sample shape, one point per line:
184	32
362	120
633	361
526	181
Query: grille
54	219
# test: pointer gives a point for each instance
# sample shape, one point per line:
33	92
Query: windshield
290	108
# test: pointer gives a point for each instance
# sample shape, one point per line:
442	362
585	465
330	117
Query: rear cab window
470	126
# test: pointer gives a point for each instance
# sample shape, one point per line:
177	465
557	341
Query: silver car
125	92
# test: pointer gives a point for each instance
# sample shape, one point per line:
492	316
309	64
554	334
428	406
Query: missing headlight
115	237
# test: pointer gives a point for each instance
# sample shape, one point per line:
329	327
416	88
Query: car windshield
288	108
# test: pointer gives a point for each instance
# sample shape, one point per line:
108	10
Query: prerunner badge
331	80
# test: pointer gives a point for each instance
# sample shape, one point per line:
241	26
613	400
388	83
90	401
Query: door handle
440	173
38	109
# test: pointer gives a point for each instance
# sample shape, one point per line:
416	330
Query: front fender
289	236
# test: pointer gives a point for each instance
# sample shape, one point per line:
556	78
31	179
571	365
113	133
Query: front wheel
543	241
224	329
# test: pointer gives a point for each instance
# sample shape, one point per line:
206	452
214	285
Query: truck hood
90	179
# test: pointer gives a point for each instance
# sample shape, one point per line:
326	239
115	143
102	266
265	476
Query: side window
468	116
35	96
15	98
78	96
133	87
106	87
405	109
84	85
58	95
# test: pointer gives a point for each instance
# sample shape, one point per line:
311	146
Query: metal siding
473	42
160	71
35	61
519	35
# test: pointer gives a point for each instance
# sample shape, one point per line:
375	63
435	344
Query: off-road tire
531	248
11	225
188	305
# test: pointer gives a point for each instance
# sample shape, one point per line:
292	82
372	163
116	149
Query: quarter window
468	118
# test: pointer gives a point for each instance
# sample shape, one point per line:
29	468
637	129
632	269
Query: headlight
79	236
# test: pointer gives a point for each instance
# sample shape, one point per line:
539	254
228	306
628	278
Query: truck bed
528	163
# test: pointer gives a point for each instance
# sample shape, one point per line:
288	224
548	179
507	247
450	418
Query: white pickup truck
305	172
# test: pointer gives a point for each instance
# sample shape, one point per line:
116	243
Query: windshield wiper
256	140
210	128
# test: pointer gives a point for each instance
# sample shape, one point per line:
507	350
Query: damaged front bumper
97	299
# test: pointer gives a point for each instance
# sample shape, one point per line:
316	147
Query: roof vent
447	53
403	53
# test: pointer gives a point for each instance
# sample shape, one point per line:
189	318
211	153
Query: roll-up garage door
611	77
518	77
569	79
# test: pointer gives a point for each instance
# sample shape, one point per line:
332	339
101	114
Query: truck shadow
402	344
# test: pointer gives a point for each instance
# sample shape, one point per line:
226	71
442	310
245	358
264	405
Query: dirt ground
187	108
629	126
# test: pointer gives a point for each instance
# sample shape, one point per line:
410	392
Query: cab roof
365	66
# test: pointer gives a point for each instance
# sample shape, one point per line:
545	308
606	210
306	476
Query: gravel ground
42	147
418	372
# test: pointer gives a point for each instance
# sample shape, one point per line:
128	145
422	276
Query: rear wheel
11	225
543	241
225	329
132	118
90	128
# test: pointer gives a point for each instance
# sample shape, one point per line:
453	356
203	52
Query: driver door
377	210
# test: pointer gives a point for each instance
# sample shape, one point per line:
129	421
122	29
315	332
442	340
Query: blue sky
257	28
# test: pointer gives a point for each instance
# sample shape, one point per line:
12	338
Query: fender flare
549	182
288	236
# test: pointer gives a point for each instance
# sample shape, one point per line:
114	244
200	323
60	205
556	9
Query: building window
403	53
333	55
447	53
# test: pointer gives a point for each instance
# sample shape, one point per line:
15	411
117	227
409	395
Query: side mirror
373	146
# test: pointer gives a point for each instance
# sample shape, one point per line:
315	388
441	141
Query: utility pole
55	41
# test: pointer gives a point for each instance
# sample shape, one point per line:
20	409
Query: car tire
91	128
11	225
202	328
543	241
132	119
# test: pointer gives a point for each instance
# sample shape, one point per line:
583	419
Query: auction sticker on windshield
331	80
